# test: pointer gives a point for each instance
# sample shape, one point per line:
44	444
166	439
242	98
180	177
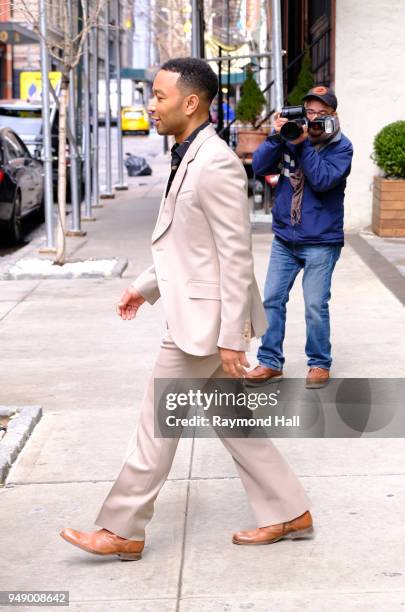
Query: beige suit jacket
202	259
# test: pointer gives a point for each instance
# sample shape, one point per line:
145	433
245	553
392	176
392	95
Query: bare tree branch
65	45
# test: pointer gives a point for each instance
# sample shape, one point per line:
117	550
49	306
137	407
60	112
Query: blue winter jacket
325	174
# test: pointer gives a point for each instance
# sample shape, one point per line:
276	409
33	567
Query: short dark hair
194	74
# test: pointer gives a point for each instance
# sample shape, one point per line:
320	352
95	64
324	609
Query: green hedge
252	100
389	149
305	81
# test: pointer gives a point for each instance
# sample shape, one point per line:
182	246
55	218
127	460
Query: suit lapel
168	204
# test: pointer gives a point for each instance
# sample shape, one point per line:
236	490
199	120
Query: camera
297	118
327	123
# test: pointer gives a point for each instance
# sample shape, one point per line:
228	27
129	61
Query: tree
252	101
169	26
66	50
305	81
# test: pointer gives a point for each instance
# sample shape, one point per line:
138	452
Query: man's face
170	109
314	110
151	105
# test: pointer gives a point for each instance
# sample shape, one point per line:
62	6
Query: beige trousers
274	492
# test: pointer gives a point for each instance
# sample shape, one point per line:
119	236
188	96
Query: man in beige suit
203	272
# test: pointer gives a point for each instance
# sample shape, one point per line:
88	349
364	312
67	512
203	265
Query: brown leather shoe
299	528
261	374
317	378
104	542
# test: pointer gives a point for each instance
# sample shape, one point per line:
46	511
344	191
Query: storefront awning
136	74
12	33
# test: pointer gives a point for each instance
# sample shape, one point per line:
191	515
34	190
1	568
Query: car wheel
147	132
14	228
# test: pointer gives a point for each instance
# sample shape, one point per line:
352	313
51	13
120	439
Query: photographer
307	226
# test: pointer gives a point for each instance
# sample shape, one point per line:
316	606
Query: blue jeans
287	259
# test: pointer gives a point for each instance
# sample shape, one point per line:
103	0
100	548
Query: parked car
25	118
135	119
21	183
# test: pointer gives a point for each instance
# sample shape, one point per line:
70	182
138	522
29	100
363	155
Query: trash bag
137	166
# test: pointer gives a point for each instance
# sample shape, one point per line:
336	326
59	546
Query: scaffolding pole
47	144
75	229
120	185
108	193
94	102
277	55
86	132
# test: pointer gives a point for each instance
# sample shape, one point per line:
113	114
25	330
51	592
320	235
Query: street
146	146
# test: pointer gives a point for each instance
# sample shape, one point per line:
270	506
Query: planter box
388	207
249	141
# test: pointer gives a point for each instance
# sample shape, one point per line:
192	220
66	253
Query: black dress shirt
179	150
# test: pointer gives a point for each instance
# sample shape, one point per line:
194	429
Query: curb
117	271
7	261
18	432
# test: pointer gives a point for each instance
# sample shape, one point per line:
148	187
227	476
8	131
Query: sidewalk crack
20	301
185	524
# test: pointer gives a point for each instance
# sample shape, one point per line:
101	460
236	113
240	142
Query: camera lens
291	131
292	112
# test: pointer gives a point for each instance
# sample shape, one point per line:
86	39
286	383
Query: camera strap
297	180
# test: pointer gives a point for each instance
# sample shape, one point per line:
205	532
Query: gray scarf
297	178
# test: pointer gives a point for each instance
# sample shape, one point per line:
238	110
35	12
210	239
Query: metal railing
324	63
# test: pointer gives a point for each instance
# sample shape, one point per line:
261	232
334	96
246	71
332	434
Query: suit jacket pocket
203	290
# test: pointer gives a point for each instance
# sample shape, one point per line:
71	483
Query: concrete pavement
64	348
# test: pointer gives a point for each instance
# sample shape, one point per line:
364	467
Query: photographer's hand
278	122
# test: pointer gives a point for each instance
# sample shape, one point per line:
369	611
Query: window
15	147
23	121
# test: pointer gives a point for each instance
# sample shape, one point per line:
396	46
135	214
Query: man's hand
233	362
130	301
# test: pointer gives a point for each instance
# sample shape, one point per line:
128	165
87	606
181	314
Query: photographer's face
314	109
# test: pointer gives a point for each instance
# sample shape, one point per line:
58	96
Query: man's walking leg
275	493
129	505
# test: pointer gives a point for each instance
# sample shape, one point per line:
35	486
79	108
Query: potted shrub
305	81
248	111
389	189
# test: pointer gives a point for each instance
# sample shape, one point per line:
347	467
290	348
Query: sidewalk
64	348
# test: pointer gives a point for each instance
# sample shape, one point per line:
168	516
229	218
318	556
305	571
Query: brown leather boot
261	374
317	378
104	542
298	529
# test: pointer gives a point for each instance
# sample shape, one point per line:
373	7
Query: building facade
19	45
370	85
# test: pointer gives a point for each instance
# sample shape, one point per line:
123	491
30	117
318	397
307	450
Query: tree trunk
60	257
